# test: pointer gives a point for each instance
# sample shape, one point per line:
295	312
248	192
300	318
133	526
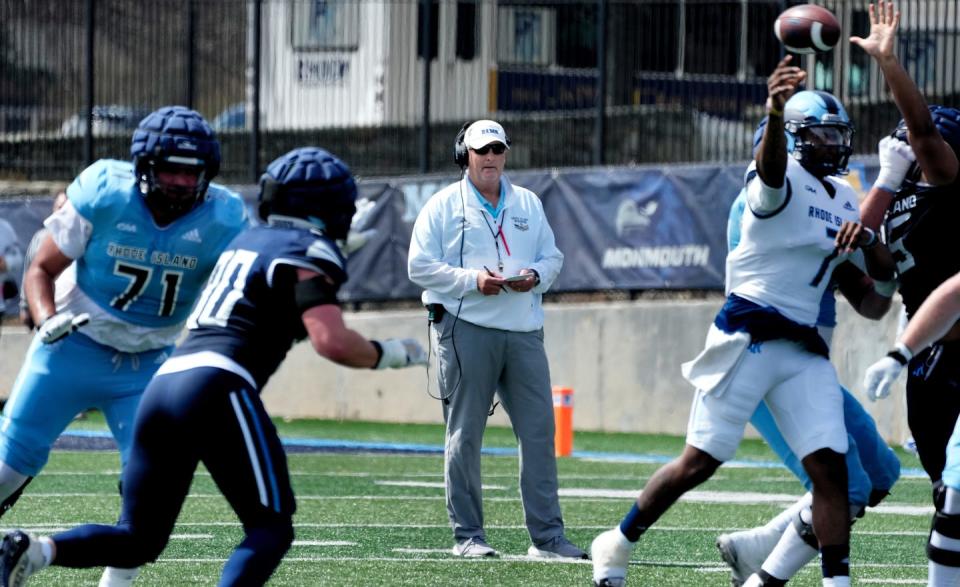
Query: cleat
20	557
610	552
475	547
745	551
556	547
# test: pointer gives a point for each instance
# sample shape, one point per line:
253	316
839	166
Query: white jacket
447	252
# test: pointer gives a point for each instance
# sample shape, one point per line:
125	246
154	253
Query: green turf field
379	519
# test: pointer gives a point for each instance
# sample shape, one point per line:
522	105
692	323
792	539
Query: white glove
60	325
400	352
359	235
355	240
896	157
880	376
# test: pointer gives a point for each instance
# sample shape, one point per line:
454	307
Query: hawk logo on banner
631	215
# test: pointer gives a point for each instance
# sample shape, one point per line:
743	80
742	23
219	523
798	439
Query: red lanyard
497	233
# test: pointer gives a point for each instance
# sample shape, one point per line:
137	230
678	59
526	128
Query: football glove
60	325
400	352
881	375
896	157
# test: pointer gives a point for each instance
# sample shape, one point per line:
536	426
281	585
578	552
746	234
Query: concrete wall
622	360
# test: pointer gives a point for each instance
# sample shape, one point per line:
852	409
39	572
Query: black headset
460	156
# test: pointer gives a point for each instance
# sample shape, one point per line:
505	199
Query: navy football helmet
819	132
311	184
174	139
947	121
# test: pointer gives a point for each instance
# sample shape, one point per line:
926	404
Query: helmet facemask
822	148
172	186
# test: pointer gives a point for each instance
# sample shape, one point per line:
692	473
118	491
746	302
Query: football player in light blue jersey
132	247
872	467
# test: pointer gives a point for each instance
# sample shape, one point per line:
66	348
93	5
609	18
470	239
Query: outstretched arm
936	157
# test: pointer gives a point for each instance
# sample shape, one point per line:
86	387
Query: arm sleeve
426	265
70	231
766	201
549	258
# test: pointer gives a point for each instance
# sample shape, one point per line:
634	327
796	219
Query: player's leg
931	413
155	483
45	398
470	359
746	550
246	460
808	409
119	406
878	460
943	547
524	390
714	431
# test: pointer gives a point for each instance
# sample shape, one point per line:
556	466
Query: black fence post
88	89
600	128
254	94
425	53
191	51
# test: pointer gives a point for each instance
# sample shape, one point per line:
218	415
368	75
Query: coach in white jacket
484	252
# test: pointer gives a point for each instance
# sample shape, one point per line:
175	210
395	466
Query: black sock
768	580
630	525
835	560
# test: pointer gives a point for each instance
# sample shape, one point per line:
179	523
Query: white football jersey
785	258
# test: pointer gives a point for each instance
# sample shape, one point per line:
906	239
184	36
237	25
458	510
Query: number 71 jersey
140	273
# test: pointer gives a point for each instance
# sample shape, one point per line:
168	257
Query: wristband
900	353
379	348
885	288
872	241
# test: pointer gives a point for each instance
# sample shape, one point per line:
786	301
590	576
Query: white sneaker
556	547
475	547
116	577
20	557
611	552
745	551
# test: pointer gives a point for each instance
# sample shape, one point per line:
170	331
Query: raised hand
783	82
884	21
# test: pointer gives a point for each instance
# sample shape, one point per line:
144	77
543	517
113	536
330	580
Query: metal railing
575	83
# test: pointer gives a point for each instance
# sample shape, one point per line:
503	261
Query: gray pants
514	364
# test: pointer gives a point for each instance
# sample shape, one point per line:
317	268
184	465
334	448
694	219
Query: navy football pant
933	403
200	415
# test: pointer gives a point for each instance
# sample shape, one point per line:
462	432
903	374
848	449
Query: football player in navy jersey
129	251
919	216
274	285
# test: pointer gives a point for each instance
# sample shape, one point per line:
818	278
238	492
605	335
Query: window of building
326	24
467	30
434	28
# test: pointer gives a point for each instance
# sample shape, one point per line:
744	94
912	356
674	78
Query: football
807	28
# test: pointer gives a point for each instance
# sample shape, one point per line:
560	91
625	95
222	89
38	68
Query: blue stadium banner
619	228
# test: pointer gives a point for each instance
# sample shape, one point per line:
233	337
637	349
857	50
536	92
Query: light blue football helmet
819	132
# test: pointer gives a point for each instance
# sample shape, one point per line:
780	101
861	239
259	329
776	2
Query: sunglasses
497	148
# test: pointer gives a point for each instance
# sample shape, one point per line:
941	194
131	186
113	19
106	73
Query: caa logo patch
631	215
521	224
126	227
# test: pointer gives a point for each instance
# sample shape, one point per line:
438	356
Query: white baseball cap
483	132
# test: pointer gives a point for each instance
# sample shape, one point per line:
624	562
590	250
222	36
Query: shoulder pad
106	184
229	207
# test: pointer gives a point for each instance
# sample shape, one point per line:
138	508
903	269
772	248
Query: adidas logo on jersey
848	206
126	227
192	235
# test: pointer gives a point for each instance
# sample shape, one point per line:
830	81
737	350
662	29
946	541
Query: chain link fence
385	84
